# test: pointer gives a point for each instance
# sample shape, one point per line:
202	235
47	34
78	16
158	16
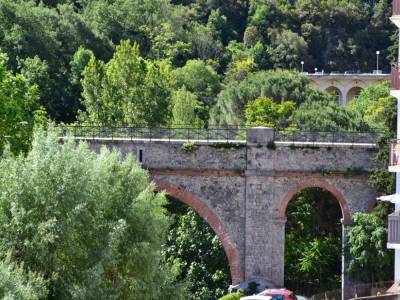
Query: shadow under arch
353	93
338	93
212	219
315	184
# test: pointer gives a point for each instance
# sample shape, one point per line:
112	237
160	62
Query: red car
279	294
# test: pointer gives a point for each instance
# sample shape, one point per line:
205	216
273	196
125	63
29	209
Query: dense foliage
279	85
193	246
18	108
231	38
126	90
90	225
265	112
370	259
156	63
16	283
313	242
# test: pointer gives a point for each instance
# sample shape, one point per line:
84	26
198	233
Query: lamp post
315	70
377	61
302	66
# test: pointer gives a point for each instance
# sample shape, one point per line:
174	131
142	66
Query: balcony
394	231
395	79
396	13
396	7
394	157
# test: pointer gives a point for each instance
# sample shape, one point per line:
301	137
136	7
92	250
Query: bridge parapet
264	149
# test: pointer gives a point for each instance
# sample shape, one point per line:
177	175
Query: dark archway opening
336	92
313	242
194	247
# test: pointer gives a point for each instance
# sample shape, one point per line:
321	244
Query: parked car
256	297
279	294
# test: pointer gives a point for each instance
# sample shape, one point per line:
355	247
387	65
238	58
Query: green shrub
189	147
15	283
233	296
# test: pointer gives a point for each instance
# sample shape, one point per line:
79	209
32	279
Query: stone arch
315	184
338	93
353	93
230	248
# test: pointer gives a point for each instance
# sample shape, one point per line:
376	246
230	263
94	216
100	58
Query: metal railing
161	133
395	77
396	7
327	137
355	291
394	228
230	133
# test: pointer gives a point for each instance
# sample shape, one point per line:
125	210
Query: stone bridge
242	189
346	87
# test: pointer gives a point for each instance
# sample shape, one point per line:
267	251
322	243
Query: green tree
18	106
313	242
193	245
279	85
15	283
199	79
326	115
370	259
288	50
49	36
127	90
90	224
265	112
187	110
366	98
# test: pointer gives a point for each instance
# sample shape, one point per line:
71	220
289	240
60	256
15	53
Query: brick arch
315	184
212	219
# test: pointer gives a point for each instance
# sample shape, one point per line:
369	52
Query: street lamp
315	70
377	61
302	66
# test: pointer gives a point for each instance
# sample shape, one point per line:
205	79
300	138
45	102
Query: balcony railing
396	7
395	77
394	228
394	156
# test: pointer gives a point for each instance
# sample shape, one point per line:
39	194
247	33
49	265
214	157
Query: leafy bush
233	296
15	283
90	223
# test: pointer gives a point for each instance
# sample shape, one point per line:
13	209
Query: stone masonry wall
244	189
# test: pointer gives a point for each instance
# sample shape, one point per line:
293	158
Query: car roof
256	297
276	291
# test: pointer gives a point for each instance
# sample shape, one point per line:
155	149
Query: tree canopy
90	224
126	90
19	109
234	37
